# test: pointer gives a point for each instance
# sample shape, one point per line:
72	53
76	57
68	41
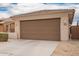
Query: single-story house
43	24
7	25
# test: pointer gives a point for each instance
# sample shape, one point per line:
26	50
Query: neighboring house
44	24
8	25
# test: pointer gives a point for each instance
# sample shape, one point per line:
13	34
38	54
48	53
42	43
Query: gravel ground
67	48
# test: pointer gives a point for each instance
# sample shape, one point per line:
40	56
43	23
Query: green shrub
3	37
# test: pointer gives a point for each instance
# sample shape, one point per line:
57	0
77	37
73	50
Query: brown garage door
43	29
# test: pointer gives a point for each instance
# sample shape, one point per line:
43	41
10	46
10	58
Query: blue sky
10	9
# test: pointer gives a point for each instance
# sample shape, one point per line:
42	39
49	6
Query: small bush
3	37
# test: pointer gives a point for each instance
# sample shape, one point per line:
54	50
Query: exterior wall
64	29
17	29
12	35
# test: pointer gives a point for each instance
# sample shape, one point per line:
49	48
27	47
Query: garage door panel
47	29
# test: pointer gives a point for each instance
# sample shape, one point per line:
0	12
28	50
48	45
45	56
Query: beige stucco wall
64	29
17	28
12	35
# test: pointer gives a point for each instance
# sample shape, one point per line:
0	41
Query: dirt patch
67	48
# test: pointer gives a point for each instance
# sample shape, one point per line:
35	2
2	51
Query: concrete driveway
27	47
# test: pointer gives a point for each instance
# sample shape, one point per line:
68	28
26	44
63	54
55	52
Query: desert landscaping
67	48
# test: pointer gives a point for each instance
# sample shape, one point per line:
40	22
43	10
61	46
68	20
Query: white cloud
4	4
4	15
25	8
74	23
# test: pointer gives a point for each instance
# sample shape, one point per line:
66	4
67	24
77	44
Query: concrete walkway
27	48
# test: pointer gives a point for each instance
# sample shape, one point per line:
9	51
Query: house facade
44	24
